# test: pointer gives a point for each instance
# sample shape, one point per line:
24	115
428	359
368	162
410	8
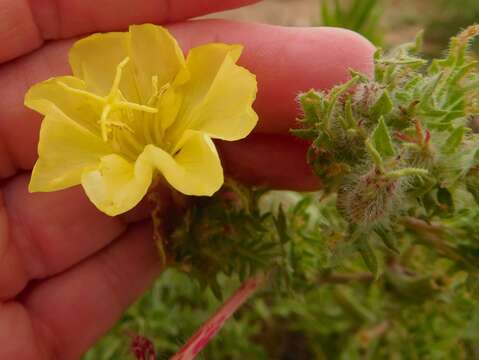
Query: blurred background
385	22
347	317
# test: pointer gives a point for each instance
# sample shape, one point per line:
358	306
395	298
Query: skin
67	271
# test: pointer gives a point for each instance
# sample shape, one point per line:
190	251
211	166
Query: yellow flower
135	109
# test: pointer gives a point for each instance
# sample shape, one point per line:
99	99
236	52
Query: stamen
157	92
116	82
104	122
149	123
116	101
153	96
121	125
163	89
134	106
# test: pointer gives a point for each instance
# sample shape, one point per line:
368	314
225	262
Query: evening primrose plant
136	112
392	233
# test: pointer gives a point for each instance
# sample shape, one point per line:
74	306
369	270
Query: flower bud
369	198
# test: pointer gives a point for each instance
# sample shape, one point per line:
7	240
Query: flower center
115	100
126	125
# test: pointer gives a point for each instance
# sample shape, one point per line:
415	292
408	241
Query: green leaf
348	112
454	140
310	103
382	107
335	95
307	134
369	256
375	155
418	42
382	140
387	237
397	174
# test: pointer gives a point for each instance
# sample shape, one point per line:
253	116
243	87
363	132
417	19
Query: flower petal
95	59
218	97
194	170
116	185
155	53
65	150
67	94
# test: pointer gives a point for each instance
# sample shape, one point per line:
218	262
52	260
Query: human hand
67	271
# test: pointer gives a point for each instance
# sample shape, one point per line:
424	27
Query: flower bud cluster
401	142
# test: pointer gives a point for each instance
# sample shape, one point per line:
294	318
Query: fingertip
341	50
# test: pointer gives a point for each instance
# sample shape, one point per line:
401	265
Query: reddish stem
210	328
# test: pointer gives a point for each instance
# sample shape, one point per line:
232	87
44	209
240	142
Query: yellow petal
155	54
168	107
116	185
194	170
218	97
65	150
66	94
95	59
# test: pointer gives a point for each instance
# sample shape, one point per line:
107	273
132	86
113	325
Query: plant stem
345	278
210	328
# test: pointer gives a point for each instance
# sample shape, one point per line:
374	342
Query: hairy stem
210	328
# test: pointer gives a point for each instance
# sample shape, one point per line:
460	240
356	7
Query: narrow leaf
310	103
383	106
454	140
382	140
387	238
375	155
369	256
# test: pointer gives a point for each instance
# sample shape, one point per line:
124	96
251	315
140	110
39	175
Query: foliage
398	149
362	16
448	18
421	307
225	234
381	264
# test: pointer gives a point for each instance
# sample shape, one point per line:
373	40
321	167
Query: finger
17	336
89	298
47	233
25	25
273	161
285	60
